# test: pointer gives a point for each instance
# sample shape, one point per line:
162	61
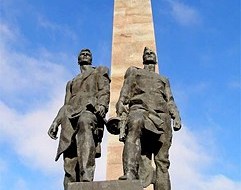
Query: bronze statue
146	108
82	120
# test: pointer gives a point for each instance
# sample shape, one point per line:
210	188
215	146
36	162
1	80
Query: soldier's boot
162	182
70	166
131	157
128	176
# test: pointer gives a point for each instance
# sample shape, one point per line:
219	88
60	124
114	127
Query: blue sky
198	47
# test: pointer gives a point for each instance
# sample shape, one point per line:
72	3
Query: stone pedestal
106	185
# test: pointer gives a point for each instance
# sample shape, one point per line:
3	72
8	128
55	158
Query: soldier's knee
86	122
134	131
163	166
164	169
84	119
135	124
70	165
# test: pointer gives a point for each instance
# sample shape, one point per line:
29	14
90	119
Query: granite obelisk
133	29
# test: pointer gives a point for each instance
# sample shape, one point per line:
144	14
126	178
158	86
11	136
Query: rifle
122	127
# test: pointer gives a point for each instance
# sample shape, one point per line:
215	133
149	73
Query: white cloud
220	182
27	135
20	184
26	132
19	72
189	161
23	74
184	14
6	32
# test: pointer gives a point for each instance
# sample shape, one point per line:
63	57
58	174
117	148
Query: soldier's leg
132	148
98	135
70	165
86	145
161	158
146	170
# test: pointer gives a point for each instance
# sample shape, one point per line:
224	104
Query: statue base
106	185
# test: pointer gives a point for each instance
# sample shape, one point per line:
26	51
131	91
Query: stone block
106	185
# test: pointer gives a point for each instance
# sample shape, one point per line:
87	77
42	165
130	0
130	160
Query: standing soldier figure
81	119
148	106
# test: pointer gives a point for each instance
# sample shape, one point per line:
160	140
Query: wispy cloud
26	132
24	74
55	28
183	13
6	32
20	184
235	84
189	161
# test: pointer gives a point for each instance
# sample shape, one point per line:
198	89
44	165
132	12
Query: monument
144	109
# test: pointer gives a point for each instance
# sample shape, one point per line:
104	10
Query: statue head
85	57
149	56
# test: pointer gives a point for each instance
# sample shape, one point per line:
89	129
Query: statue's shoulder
69	84
75	78
164	79
102	69
70	81
131	71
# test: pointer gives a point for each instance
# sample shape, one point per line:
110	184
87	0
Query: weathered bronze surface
146	108
82	120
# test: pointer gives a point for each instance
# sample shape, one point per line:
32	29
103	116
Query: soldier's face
85	58
149	56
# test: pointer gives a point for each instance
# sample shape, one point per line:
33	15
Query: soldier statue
82	120
146	109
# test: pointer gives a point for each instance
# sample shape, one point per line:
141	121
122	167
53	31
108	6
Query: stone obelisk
133	29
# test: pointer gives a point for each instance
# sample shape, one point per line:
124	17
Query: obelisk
133	29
